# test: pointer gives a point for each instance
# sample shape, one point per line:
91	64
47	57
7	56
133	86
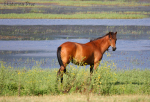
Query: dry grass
77	98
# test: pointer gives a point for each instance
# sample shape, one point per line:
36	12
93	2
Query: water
107	22
129	54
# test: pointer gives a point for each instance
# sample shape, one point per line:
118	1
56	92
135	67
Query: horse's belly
83	60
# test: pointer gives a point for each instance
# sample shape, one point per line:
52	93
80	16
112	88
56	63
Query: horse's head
112	40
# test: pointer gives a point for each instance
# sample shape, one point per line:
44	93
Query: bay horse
89	53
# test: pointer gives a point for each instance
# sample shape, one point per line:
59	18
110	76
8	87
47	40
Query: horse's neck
102	44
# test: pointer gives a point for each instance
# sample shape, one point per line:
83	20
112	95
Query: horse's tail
59	56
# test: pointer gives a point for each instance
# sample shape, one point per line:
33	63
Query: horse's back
75	47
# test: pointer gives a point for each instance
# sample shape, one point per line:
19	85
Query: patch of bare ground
77	98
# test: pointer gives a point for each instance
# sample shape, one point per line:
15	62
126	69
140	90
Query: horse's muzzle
114	48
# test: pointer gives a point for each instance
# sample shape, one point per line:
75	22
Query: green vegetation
105	81
101	15
99	3
83	3
36	9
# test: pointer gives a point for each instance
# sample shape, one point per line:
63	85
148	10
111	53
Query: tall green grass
105	81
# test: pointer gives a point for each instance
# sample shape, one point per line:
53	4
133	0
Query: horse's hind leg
63	59
61	63
91	69
60	72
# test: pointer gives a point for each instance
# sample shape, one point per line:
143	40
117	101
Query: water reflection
20	54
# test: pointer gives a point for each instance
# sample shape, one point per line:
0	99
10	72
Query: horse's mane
110	33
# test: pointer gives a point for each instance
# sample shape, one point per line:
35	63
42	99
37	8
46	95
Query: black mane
110	33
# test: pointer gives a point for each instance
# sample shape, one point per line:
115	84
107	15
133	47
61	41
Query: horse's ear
109	34
115	32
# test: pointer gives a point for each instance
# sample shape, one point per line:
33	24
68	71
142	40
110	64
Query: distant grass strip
99	3
103	15
85	3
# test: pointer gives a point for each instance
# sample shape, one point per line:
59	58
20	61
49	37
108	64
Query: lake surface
109	22
129	54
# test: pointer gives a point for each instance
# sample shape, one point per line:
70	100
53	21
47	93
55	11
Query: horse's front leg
96	64
91	68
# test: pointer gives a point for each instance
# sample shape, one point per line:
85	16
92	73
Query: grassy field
105	81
